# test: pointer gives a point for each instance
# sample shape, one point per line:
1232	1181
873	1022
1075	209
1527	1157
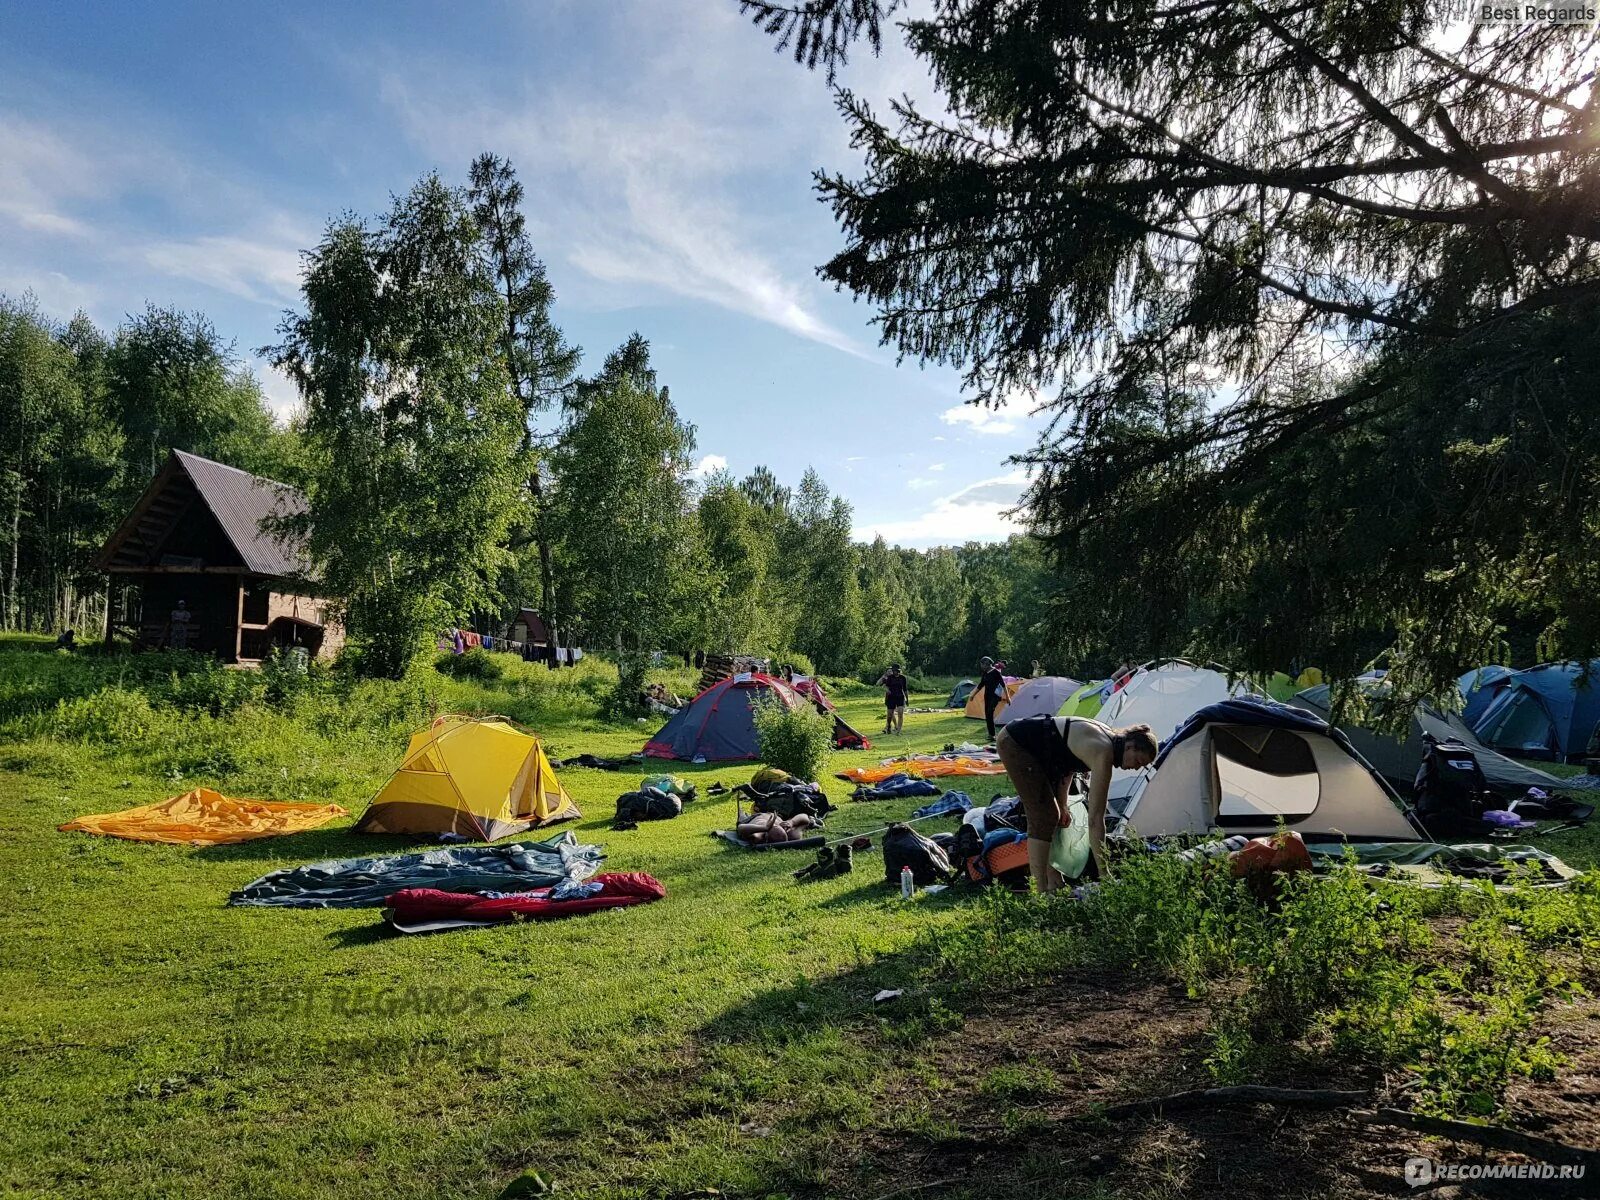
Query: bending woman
1042	754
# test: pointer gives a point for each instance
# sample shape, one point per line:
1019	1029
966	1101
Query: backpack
790	800
903	846
1452	792
647	804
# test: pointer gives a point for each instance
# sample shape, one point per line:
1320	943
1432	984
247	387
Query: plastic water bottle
908	885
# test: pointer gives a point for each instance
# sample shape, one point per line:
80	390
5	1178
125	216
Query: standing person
1041	755
896	691
993	686
178	626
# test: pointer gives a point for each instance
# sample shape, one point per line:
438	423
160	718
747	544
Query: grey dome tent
1397	760
959	694
1244	764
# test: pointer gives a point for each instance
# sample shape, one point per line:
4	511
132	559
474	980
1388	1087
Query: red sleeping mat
417	910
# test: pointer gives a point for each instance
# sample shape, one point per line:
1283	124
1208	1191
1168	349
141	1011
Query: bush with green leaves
476	663
797	740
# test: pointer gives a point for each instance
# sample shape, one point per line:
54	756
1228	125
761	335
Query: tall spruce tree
1120	208
540	367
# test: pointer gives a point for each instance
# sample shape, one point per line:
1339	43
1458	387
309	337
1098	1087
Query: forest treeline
459	466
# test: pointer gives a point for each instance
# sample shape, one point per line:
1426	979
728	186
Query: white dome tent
1043	696
1163	694
1242	766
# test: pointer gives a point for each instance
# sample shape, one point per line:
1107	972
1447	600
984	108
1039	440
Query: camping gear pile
657	798
369	882
897	787
202	817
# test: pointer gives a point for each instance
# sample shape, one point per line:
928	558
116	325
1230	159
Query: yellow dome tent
476	776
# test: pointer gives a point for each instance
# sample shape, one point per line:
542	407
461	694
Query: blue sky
186	153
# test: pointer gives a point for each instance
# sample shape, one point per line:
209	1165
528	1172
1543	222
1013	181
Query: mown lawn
160	1043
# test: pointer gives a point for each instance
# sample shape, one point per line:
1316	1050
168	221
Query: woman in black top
896	691
1041	755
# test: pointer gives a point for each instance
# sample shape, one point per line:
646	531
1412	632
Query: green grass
159	1043
154	1035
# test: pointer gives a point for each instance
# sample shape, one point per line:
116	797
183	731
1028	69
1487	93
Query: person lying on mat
1041	755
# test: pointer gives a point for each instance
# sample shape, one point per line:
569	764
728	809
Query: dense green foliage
796	740
1337	967
1311	292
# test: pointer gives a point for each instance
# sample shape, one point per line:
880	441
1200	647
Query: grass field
155	1035
159	1043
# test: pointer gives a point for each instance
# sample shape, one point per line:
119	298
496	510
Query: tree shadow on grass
983	1090
313	845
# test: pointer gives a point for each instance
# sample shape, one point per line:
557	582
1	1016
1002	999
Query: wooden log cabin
195	542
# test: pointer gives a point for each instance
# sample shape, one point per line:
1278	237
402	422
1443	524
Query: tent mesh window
1263	772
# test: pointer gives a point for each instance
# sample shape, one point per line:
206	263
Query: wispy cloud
655	186
977	512
982	420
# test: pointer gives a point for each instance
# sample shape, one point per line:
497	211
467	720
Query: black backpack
1452	792
790	800
647	804
903	846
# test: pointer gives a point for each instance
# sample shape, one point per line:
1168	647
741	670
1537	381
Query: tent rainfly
1397	760
974	705
479	777
1550	712
1163	695
719	724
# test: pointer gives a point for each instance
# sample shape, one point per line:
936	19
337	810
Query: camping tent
479	777
1478	691
1163	695
1042	696
719	724
1397	760
974	707
1244	764
1086	701
1549	711
959	694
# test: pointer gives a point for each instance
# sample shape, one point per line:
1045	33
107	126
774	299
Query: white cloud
935	466
264	269
980	419
922	484
708	464
978	512
654	182
282	397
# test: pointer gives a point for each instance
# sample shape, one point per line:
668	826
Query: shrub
476	663
794	740
111	716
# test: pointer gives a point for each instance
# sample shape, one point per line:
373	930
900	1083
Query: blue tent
1478	690
719	725
1548	712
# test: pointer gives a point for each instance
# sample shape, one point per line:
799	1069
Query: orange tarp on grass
923	768
207	818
